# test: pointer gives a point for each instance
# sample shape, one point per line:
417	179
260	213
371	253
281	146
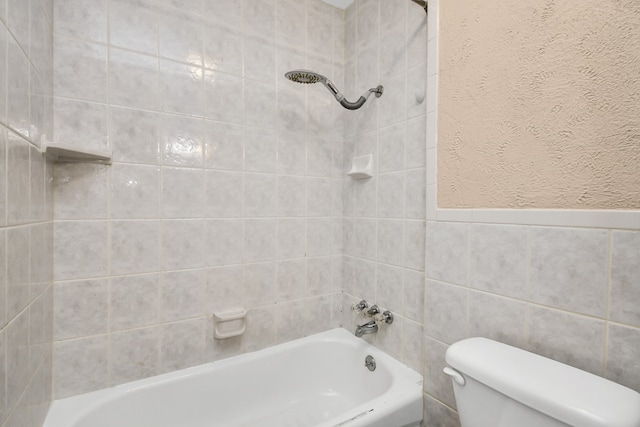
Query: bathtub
317	381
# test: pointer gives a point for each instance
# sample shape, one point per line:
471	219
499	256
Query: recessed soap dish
229	324
361	167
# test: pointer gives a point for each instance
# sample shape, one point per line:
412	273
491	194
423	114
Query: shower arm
423	4
352	105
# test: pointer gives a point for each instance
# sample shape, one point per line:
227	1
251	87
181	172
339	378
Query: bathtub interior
306	382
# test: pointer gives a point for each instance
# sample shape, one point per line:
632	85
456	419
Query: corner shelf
70	153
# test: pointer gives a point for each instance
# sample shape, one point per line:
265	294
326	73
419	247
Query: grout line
608	312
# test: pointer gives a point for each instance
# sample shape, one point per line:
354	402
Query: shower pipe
311	77
421	3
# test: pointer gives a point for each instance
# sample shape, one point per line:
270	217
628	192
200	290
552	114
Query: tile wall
225	189
26	212
565	293
384	228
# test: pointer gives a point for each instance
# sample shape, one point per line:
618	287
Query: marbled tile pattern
228	190
26	209
384	216
223	192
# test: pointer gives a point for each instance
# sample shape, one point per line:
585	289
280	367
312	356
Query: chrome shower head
310	77
305	77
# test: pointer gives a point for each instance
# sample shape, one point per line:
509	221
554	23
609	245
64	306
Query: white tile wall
384	224
227	190
26	212
543	289
222	193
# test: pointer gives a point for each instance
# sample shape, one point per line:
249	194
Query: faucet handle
384	318
359	306
373	311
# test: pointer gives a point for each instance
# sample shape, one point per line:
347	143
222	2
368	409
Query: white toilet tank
497	385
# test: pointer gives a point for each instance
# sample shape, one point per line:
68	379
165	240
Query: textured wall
539	104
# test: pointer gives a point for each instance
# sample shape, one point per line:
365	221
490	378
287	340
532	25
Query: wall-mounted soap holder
361	167
229	324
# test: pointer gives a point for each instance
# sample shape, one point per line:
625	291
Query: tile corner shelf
70	153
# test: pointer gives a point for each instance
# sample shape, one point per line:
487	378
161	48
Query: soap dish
229	324
361	167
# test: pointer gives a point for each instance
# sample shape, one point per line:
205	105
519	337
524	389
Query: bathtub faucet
367	328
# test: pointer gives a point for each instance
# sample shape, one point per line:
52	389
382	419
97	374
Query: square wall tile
133	80
222	243
291	238
81	308
390	195
497	318
81	124
498	262
260	195
182	138
224	146
224	194
569	269
222	97
80	70
134	136
182	244
135	247
134	191
183	294
134	355
224	289
182	345
183	193
81	191
134	301
260	150
259	240
181	88
81	249
291	280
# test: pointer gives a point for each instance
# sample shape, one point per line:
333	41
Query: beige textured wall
539	104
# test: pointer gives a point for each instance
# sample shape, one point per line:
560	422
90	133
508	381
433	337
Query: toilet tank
498	385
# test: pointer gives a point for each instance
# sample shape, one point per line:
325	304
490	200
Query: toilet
497	385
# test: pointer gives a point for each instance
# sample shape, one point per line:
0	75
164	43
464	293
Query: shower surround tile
207	193
26	212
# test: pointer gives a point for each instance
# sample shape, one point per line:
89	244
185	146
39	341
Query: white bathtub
317	381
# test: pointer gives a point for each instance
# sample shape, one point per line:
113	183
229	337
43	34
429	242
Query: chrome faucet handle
386	318
373	311
359	306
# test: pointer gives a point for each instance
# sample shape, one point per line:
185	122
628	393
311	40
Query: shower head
310	77
305	76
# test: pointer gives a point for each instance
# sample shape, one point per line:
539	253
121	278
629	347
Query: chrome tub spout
367	328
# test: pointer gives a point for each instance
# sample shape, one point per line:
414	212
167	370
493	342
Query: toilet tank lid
565	393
